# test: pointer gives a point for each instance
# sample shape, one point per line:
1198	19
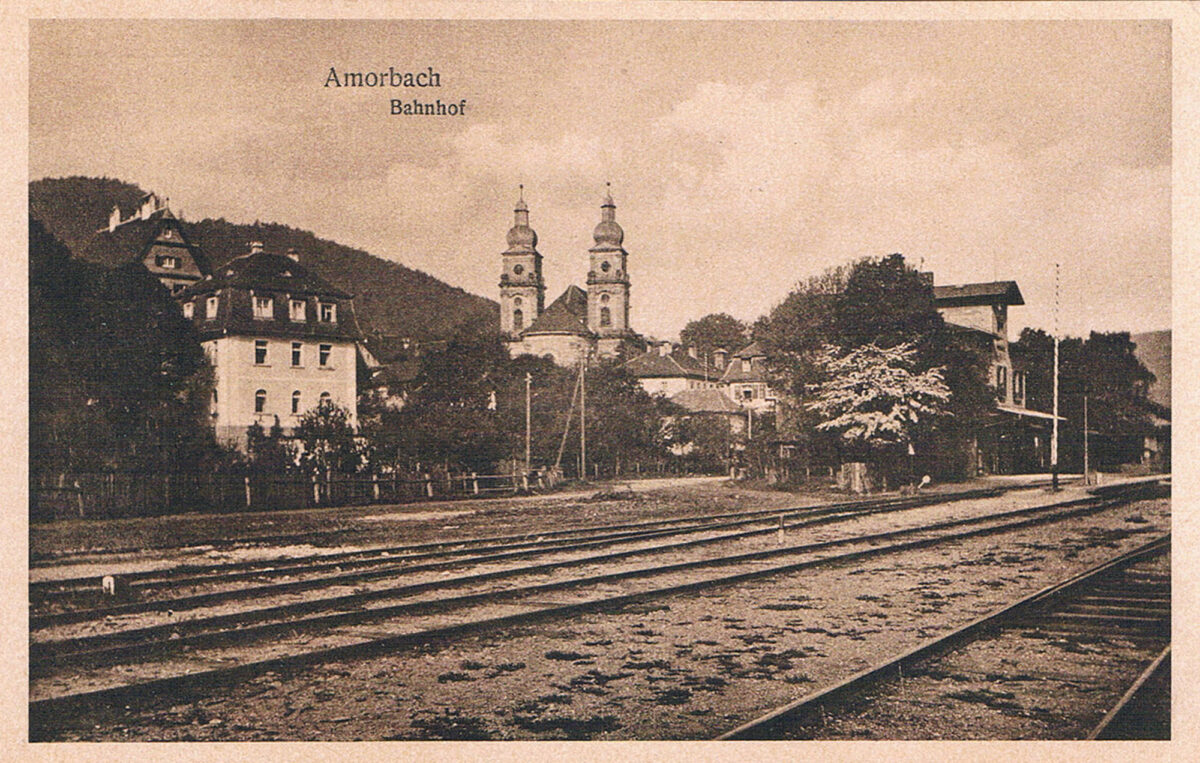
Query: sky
744	157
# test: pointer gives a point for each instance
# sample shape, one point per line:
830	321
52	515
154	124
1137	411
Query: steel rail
393	567
92	582
1119	714
765	726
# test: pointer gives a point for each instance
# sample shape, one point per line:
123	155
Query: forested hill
389	297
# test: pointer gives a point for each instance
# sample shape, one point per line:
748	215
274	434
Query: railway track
1117	611
189	573
50	601
176	660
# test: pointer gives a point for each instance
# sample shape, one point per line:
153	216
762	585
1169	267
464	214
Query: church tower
522	291
608	279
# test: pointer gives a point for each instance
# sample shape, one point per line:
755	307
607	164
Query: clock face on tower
518	269
605	266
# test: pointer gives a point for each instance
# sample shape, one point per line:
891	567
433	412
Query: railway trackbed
165	662
1088	657
52	600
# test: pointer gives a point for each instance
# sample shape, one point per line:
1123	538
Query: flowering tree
874	399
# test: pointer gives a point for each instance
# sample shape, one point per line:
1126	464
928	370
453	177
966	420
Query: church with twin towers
592	323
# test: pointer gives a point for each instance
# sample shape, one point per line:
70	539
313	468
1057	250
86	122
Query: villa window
260	401
260	352
1002	380
325	400
323	353
264	308
296	310
328	312
297	353
296	402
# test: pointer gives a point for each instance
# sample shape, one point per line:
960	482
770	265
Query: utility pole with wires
583	417
1054	430
1085	441
528	416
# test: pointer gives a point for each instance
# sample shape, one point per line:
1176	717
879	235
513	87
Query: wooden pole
1085	441
528	417
583	417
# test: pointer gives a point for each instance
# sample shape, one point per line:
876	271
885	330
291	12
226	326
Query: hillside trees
117	376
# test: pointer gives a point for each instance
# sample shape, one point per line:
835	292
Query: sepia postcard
682	379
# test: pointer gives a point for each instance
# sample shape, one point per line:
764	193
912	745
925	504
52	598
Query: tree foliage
329	441
117	376
1105	368
714	331
874	399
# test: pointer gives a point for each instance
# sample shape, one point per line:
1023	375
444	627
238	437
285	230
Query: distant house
153	236
745	377
714	404
664	370
281	341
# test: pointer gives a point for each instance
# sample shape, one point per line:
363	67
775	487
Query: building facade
281	342
592	323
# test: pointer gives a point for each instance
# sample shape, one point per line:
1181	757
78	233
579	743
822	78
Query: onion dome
608	233
521	237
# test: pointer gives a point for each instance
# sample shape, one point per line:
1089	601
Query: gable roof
654	364
131	240
746	365
705	401
987	293
752	350
261	270
565	315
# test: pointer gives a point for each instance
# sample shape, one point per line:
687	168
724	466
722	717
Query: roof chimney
692	353
255	247
719	356
292	254
664	349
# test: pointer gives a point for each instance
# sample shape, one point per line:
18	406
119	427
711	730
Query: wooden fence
123	494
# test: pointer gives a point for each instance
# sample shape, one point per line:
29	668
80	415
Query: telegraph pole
582	417
1085	441
528	420
1054	431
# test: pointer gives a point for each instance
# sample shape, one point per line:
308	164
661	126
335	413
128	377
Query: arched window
518	320
296	401
605	316
326	400
260	401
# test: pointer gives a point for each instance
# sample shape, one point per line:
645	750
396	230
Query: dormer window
188	310
296	311
210	308
168	233
264	308
328	312
168	262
